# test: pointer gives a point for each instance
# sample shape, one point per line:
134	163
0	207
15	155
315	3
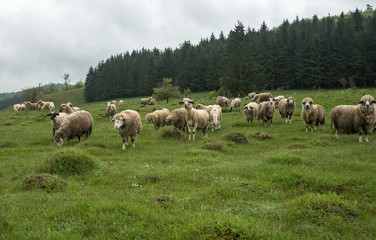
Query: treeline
332	52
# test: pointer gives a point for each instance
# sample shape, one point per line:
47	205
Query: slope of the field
296	185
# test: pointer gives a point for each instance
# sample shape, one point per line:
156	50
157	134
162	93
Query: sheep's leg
306	128
123	147
189	133
360	137
133	142
336	134
194	134
53	132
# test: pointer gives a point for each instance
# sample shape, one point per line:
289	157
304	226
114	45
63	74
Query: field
295	185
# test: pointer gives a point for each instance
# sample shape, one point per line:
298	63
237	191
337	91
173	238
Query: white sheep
251	111
56	120
114	102
312	114
208	108
236	102
264	97
354	119
77	124
222	101
32	106
266	111
66	109
250	95
177	119
196	119
215	117
128	124
46	105
145	101
121	102
287	108
158	117
111	109
71	105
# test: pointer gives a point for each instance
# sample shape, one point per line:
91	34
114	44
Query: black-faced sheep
251	111
158	117
196	119
266	111
111	109
223	101
77	124
46	105
215	117
128	124
56	120
250	95
235	103
264	97
287	108
31	106
177	119
312	114
354	119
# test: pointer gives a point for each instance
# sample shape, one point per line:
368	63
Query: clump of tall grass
236	137
44	181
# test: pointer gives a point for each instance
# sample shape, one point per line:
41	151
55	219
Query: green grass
292	185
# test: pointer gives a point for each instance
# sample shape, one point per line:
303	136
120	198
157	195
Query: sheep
66	109
287	108
312	114
32	106
111	109
215	117
46	105
71	105
56	120
77	124
177	119
250	95
236	102
145	101
158	117
222	101
15	107
354	119
266	111
19	107
208	108
195	119
251	111
128	124
121	102
151	101
114	102
278	99
264	97
255	98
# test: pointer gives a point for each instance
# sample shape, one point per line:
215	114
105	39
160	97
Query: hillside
295	185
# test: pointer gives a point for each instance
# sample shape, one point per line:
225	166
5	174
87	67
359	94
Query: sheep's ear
49	114
373	101
360	102
181	102
113	119
192	102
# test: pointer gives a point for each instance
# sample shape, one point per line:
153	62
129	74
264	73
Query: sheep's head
199	106
58	139
366	103
271	101
119	121
290	101
307	103
52	115
63	107
188	104
149	118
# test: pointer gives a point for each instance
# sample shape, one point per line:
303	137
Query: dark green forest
331	52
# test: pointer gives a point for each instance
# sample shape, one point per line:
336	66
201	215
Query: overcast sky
43	39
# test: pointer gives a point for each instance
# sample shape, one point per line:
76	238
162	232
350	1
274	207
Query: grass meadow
295	185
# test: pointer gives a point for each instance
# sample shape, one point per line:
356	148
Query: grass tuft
215	146
236	137
170	132
44	181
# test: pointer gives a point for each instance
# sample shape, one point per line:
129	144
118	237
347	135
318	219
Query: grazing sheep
222	101
66	109
111	109
255	98
15	107
250	95
287	108
177	119
114	102
208	108
56	120
196	119
145	101
264	97
77	124
251	111
215	117
266	111
19	107
158	117
354	119
312	114
31	106
152	101
71	105
46	105
128	124
235	103
121	102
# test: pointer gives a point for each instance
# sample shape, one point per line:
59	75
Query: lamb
208	108
287	108
251	111
158	117
250	95
195	119
56	120
32	106
215	117
177	119
121	102
312	114
111	109
354	119
235	103
266	111
77	124
222	101
128	124
46	105
264	97
145	101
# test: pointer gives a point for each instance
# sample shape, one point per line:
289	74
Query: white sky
43	39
